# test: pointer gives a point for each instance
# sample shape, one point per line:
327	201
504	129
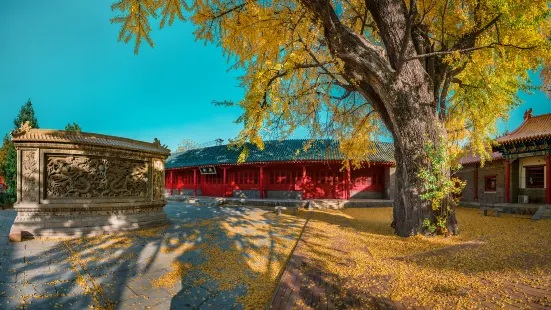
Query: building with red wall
3	186
283	170
519	169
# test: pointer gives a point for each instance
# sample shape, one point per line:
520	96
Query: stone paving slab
119	271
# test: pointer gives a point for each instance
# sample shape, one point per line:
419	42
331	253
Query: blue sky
64	55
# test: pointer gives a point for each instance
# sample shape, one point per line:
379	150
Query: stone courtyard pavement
210	257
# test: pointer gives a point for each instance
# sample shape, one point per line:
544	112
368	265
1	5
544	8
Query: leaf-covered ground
495	262
210	257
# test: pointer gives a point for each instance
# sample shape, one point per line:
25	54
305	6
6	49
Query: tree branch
467	50
284	73
228	11
354	49
407	35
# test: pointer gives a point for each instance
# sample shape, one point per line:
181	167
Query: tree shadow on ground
493	242
479	263
209	257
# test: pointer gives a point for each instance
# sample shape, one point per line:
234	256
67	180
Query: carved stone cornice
28	134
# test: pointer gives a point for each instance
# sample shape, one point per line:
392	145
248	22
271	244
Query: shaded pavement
210	257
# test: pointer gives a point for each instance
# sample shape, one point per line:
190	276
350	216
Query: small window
534	177
490	183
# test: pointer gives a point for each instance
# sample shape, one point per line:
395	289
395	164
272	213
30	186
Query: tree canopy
8	154
186	145
437	74
26	113
480	54
4	154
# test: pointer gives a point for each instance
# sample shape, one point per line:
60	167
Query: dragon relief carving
90	177
29	173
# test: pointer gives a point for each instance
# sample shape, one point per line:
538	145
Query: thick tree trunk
401	92
409	140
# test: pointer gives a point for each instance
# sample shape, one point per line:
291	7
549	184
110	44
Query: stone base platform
511	208
291	203
77	220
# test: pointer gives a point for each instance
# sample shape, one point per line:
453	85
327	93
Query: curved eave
478	161
380	163
524	139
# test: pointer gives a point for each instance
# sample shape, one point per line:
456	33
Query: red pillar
178	178
302	182
548	179
203	185
171	182
507	181
261	181
476	183
194	182
224	183
348	183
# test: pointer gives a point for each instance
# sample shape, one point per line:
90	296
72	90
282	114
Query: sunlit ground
224	258
360	253
210	257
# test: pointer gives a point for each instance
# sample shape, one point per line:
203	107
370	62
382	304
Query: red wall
321	181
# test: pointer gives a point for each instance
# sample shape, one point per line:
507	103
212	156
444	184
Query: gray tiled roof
286	150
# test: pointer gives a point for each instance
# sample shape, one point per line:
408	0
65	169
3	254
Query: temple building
3	186
283	170
520	169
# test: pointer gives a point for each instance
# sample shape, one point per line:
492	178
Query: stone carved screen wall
78	176
78	184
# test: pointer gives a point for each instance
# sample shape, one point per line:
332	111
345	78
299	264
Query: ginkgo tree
430	72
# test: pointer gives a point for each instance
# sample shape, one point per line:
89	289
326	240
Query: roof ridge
273	140
545	114
526	128
524	122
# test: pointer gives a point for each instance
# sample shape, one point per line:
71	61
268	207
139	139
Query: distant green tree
10	175
3	160
10	166
4	154
74	127
26	114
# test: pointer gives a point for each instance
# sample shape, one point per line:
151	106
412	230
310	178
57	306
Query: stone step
203	201
325	204
544	212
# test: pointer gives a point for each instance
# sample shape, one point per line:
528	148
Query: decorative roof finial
26	126
528	114
157	143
